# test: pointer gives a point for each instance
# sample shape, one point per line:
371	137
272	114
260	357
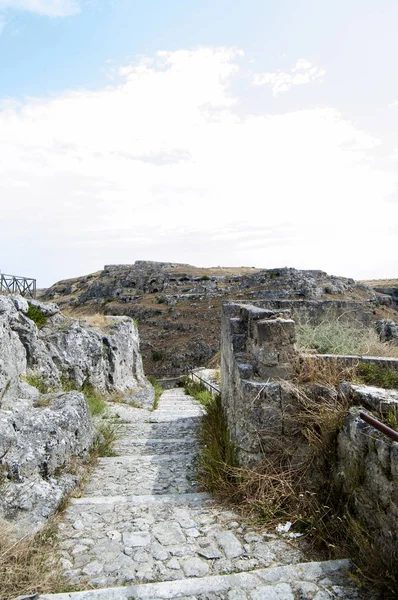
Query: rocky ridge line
169	302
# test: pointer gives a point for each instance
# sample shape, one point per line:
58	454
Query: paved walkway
143	529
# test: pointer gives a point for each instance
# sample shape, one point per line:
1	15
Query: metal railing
13	284
392	434
213	389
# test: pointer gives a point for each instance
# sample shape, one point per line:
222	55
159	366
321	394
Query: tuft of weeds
157	355
314	369
29	565
95	400
34	314
106	434
218	456
158	391
38	382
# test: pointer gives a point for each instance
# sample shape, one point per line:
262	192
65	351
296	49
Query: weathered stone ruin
261	407
43	430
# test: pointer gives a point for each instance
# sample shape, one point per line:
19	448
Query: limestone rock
65	350
36	446
387	330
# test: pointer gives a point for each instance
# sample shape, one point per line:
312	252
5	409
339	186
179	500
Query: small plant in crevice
34	314
106	434
157	389
4	391
95	400
38	382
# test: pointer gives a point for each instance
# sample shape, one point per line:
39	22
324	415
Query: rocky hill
177	306
385	286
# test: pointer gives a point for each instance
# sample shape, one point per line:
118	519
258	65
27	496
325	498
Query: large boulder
38	442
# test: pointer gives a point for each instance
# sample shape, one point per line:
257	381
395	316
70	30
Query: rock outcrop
387	330
169	302
43	429
65	351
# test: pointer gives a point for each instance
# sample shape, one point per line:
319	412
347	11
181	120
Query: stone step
121	541
127	446
190	418
180	429
143	474
317	580
196	499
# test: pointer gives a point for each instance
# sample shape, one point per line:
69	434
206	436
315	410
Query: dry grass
336	337
314	369
29	565
97	321
294	483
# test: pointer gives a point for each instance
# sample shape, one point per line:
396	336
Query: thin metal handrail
392	434
206	383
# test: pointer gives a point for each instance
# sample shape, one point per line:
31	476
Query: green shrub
157	355
35	315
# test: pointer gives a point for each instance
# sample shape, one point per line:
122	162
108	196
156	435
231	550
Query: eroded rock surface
37	447
42	428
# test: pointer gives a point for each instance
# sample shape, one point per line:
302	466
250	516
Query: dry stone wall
257	351
261	407
367	471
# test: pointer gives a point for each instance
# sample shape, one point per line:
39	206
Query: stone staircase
144	530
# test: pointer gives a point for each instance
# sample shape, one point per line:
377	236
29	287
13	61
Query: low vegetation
377	374
95	400
29	565
35	315
157	389
281	488
38	382
336	337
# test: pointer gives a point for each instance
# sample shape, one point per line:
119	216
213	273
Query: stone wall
367	470
261	407
360	314
257	346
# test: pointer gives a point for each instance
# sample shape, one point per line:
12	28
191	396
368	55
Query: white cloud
279	81
51	8
161	166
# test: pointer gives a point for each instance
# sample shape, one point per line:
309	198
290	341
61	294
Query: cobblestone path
144	530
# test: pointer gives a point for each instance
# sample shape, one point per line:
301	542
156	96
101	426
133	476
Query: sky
211	132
